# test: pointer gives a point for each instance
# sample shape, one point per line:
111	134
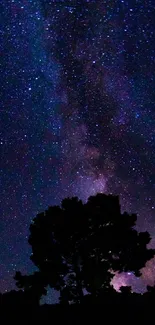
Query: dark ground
81	314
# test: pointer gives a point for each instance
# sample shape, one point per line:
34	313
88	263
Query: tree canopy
78	246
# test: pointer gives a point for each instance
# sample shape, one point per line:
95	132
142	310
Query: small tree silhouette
34	285
79	246
125	290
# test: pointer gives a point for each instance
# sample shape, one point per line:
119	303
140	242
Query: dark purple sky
77	114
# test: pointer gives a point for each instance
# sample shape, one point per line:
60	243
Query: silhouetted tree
34	286
77	246
149	295
151	289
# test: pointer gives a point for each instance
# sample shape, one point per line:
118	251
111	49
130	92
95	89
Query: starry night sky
77	115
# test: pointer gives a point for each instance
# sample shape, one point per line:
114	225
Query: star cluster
77	114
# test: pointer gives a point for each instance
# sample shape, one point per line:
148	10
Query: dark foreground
90	313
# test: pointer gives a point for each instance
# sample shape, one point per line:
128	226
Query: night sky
77	115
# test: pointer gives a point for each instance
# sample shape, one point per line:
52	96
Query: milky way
77	115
